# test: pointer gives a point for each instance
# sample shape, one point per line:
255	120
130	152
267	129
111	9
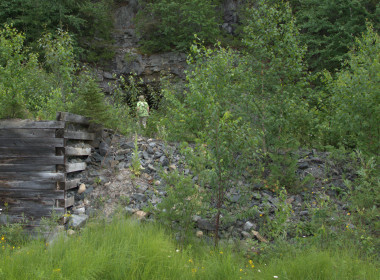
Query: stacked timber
39	162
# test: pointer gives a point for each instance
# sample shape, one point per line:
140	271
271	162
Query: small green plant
97	181
136	164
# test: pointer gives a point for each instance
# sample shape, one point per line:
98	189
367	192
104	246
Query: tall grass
122	249
128	249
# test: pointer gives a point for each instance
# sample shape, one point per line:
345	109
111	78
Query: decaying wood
259	236
71	151
73	167
33	160
67	202
34	142
71	184
32	176
27	168
30	124
33	164
27	133
68	117
30	151
28	185
11	194
79	135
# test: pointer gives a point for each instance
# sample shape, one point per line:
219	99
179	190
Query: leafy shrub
166	24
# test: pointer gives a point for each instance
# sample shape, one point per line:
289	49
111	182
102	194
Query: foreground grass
127	249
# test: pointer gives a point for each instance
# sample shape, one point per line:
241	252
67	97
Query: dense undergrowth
128	249
243	117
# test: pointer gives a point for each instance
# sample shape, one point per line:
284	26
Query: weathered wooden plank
28	185
68	117
72	184
27	133
32	176
35	142
67	202
71	151
26	151
33	209
73	167
26	168
33	160
16	123
79	135
31	194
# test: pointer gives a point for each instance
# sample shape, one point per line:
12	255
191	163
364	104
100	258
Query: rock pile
110	183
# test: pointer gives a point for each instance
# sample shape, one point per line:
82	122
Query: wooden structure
39	162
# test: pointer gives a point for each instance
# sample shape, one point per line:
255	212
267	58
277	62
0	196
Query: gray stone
77	221
205	224
304	213
248	226
129	210
139	197
103	149
245	234
164	161
79	211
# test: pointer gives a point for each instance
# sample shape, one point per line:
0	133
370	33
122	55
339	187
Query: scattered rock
140	215
82	188
199	234
78	221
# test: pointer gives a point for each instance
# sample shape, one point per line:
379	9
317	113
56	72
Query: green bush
165	25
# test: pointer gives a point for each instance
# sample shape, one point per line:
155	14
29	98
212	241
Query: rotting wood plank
27	168
30	151
28	185
15	123
67	202
73	167
72	184
31	194
32	176
69	117
72	151
35	142
33	160
79	135
27	133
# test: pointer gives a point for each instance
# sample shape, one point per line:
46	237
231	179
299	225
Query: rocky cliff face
127	57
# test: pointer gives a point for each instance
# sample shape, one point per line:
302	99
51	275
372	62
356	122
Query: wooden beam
71	151
15	123
73	167
27	133
32	176
67	202
28	185
72	184
35	142
68	117
79	135
30	151
26	168
33	160
31	194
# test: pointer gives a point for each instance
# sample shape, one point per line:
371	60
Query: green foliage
329	27
276	84
182	202
136	164
84	19
24	86
354	110
166	24
91	102
120	249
